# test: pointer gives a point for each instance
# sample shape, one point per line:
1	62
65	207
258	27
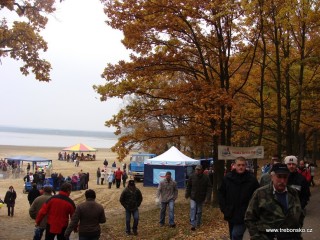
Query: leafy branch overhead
20	38
203	73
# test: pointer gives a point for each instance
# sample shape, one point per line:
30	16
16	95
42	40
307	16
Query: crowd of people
64	156
8	167
112	176
278	200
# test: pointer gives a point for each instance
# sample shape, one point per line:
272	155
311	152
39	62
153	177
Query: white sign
231	153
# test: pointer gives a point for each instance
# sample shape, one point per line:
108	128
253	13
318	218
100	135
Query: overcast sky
80	46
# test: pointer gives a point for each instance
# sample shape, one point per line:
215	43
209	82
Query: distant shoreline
59	132
42	147
55	138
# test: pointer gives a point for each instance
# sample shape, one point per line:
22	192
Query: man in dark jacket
234	195
198	189
90	214
297	181
131	199
33	193
10	200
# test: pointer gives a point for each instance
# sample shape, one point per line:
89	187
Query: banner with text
231	153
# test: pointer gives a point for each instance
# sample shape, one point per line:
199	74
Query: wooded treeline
207	73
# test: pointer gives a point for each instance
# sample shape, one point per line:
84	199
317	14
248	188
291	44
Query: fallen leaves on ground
213	226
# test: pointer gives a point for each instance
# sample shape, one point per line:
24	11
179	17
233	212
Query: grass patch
213	226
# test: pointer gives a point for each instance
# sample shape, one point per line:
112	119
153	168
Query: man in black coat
234	195
33	193
297	180
131	199
198	189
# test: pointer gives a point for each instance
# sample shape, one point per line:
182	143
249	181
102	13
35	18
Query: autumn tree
287	65
187	64
179	76
21	40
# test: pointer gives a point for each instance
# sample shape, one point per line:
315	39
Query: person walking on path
234	195
105	163
33	193
124	178
297	181
10	200
58	209
312	172
110	179
118	176
266	177
131	199
167	193
198	190
304	171
35	208
274	210
28	168
88	216
98	176
103	175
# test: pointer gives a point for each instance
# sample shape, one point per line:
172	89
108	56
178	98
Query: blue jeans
135	215
38	232
195	213
163	212
236	231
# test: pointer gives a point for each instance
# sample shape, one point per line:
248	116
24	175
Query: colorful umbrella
80	147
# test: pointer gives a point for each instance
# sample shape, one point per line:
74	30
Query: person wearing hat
131	199
234	195
274	211
87	217
167	193
297	181
198	190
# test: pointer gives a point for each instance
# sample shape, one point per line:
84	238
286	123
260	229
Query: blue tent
172	160
33	159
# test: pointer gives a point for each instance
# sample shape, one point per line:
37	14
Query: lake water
55	138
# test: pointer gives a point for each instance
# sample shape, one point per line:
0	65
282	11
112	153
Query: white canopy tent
172	160
172	157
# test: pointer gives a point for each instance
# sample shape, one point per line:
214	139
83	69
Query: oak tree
21	39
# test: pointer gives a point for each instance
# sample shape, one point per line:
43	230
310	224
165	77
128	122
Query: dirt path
21	226
312	221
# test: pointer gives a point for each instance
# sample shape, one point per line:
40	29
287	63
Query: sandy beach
21	226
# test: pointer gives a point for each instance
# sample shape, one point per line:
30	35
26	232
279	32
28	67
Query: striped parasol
80	147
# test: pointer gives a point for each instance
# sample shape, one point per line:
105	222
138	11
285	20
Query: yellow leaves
22	41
